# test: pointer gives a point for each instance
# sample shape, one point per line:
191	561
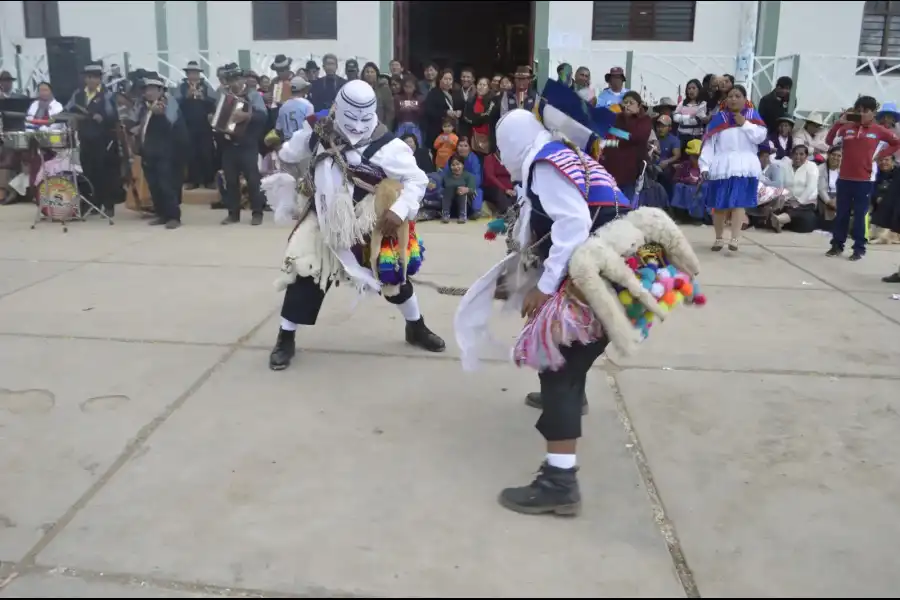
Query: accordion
223	121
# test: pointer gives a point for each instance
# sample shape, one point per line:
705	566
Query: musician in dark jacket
163	133
323	90
239	152
97	136
197	100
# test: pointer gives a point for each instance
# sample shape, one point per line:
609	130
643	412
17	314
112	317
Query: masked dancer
354	164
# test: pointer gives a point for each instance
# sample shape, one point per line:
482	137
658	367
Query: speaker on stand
66	58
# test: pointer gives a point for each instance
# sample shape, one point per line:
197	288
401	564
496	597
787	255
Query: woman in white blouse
828	176
800	177
44	107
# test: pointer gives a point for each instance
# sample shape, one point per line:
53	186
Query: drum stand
72	176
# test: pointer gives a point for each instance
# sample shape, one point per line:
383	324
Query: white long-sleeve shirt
571	227
394	158
733	152
802	182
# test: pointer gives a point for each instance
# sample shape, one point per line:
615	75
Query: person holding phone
864	141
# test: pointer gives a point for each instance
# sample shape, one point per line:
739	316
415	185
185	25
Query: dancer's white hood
354	111
519	138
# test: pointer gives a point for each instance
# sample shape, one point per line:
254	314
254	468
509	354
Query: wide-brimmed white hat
815	117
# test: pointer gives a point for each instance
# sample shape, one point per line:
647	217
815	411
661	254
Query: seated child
459	189
445	144
686	195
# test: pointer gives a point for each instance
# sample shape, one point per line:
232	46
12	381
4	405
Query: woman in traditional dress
729	162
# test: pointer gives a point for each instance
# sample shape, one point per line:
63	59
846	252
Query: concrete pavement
146	451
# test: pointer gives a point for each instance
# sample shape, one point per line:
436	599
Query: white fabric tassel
281	196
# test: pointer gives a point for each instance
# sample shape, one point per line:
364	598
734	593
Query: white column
743	71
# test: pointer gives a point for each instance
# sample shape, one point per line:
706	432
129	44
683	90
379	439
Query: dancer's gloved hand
388	223
533	302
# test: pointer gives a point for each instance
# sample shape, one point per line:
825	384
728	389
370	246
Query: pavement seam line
43	280
828	283
609	364
175	585
132	447
663	522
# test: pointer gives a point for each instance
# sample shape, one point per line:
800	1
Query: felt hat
665	102
523	72
785	119
311	65
815	117
281	63
95	67
193	65
153	78
6	76
351	65
615	72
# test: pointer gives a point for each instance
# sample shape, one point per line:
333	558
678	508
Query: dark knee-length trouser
303	300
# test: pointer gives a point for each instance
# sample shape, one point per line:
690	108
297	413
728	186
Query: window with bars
41	19
295	20
669	21
880	35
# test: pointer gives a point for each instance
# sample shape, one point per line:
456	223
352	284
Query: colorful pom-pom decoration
669	286
495	227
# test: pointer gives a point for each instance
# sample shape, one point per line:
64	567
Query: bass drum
59	196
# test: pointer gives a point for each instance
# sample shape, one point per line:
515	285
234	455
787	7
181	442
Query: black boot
417	334
283	352
554	490
534	400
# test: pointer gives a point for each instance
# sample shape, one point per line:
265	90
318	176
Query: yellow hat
693	147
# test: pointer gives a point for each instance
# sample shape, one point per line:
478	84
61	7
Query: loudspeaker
66	58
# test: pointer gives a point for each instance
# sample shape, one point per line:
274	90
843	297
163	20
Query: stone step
200	196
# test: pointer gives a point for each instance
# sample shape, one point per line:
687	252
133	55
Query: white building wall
118	27
231	28
659	67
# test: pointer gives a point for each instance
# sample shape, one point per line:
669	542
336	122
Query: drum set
62	193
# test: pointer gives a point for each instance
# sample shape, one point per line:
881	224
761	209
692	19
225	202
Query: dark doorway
492	37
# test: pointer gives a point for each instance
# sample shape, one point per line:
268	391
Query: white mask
519	137
354	111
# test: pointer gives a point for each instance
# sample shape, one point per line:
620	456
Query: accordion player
225	119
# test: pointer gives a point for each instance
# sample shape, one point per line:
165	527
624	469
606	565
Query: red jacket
860	142
624	162
495	174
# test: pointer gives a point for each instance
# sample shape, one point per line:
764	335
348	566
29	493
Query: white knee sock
287	325
561	461
410	309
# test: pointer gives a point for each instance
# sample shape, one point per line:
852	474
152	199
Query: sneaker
554	490
256	219
156	221
856	256
834	252
173	224
892	278
461	221
229	220
775	223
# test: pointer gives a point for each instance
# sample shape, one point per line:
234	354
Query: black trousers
201	163
562	392
100	164
498	199
163	174
303	301
240	160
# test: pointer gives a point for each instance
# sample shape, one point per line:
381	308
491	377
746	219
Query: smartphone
854	117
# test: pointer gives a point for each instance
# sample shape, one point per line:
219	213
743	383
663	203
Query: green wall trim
203	35
768	18
162	36
386	33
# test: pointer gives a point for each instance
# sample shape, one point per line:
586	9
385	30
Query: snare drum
58	197
53	139
17	140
